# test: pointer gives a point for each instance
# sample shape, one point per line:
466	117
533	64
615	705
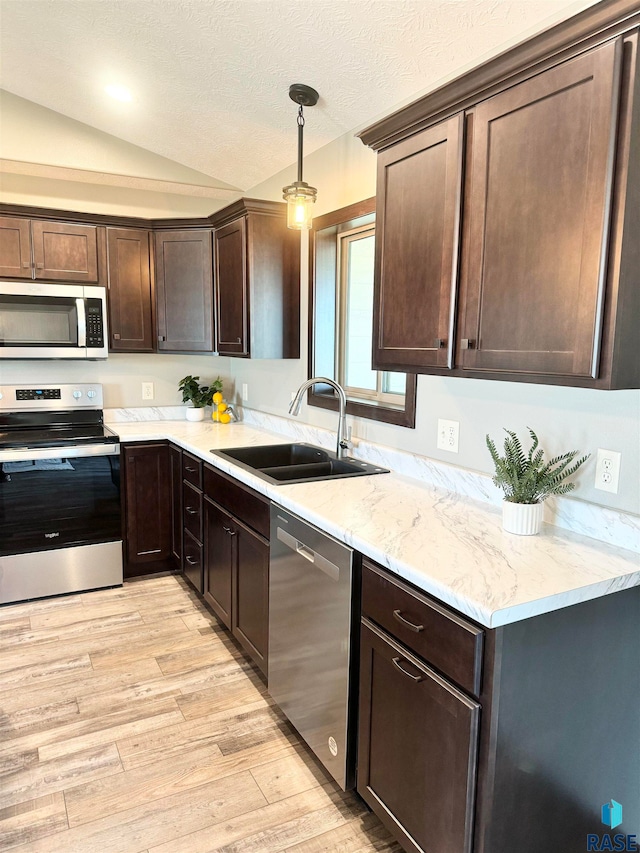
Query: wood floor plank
255	719
24	823
48	777
286	776
269	818
91	684
131	722
159	821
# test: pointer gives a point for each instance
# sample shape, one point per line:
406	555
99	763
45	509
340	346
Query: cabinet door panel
219	539
538	209
130	294
185	291
231	288
15	248
148	503
417	776
65	252
418	222
250	623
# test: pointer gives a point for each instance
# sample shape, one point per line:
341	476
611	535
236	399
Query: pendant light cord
300	135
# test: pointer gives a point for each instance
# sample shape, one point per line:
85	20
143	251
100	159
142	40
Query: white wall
122	375
564	418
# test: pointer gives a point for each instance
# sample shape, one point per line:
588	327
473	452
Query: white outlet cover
147	391
608	470
448	435
245	392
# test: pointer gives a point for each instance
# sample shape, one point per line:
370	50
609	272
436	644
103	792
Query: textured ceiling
210	77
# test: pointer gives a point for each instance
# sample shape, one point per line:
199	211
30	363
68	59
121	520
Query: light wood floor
130	722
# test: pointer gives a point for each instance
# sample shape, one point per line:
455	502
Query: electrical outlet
245	392
448	435
608	470
147	390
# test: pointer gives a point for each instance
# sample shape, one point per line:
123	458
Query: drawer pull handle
396	663
397	614
191	561
229	531
190	470
191	510
467	343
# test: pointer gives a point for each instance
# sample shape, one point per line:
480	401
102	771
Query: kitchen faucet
294	409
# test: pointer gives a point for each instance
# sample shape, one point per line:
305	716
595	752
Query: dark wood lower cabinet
236	561
418	737
147	508
192	565
218	535
176	505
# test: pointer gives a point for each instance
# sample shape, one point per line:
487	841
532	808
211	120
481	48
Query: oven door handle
82	322
68	452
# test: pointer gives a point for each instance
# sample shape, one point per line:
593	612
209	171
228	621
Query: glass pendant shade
300	198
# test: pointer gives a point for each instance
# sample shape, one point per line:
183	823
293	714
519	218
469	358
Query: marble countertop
450	546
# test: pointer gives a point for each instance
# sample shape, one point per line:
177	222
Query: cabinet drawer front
193	561
417	748
192	470
445	640
192	510
245	504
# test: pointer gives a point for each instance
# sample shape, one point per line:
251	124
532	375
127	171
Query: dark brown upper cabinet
546	286
48	250
538	202
184	282
257	281
15	248
418	222
131	309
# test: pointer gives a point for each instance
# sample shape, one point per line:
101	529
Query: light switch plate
245	392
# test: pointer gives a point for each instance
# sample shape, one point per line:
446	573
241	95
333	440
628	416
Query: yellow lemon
222	407
225	418
217	397
215	415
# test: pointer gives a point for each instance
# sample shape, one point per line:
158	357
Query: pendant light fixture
299	196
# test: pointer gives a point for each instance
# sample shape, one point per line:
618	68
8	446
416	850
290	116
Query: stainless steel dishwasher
312	638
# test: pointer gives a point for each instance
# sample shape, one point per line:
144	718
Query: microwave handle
82	322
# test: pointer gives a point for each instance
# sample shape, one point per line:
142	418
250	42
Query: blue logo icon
612	814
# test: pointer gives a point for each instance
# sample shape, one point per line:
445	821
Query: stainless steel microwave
39	320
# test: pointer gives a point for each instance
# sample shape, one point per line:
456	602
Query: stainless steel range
60	527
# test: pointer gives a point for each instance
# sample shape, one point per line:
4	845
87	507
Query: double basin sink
296	463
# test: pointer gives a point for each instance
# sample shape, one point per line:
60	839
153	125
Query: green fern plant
199	395
527	478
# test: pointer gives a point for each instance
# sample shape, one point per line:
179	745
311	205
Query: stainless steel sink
296	463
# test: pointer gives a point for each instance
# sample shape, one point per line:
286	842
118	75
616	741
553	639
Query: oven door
59	497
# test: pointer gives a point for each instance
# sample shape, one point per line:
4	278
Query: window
342	253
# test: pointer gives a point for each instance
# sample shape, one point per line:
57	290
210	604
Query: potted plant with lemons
199	395
527	480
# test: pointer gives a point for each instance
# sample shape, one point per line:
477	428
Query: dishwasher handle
309	554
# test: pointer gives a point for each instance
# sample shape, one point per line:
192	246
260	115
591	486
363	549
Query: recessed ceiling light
120	93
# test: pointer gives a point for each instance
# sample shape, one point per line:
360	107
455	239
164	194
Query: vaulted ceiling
210	78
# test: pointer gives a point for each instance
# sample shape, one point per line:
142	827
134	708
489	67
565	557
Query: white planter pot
523	519
193	414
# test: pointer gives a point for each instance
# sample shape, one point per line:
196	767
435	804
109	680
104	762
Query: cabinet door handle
190	470
26	265
396	663
162	338
467	343
229	531
397	615
441	343
191	510
116	337
191	561
40	266
239	340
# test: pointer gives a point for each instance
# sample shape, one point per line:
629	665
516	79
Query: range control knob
77	395
91	394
